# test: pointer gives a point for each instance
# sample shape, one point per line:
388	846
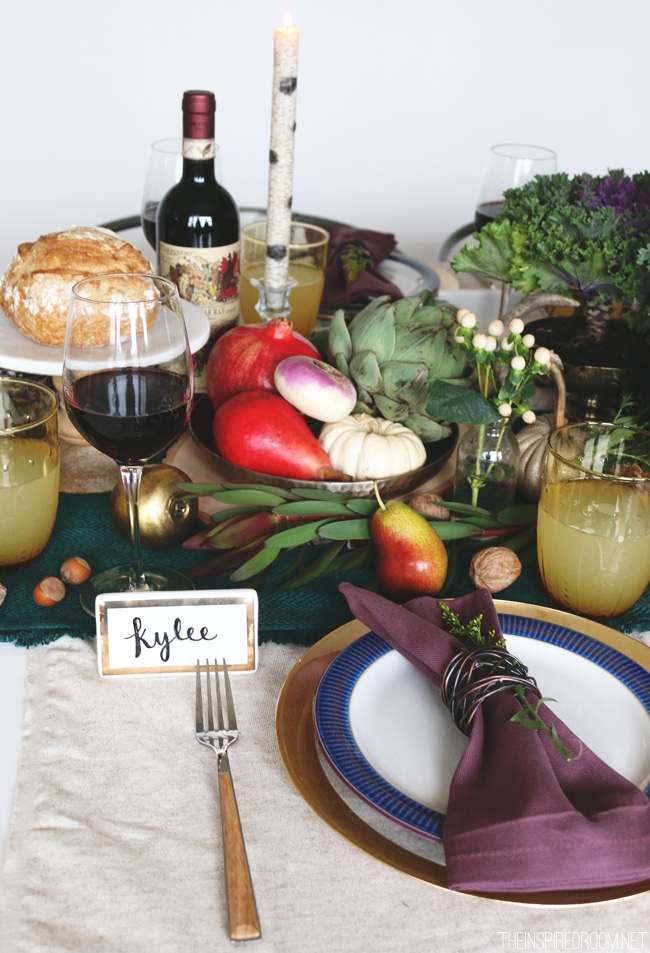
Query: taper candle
283	129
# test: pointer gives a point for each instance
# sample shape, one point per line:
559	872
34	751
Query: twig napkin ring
477	674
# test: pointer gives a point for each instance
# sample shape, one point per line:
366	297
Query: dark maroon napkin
352	274
520	817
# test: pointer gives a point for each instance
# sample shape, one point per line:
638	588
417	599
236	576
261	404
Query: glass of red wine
127	387
164	169
509	166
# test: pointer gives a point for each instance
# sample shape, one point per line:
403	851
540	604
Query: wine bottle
198	229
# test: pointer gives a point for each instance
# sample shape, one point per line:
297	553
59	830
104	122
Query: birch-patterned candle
283	130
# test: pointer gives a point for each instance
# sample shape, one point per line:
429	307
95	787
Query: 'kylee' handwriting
164	640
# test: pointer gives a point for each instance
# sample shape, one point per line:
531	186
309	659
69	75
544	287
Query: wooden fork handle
242	909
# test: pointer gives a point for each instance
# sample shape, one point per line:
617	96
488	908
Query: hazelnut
428	505
75	570
494	568
49	591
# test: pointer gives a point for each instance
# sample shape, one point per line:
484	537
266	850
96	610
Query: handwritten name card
156	633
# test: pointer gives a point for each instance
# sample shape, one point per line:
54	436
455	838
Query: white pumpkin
371	448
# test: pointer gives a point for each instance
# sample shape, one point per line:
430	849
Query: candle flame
287	21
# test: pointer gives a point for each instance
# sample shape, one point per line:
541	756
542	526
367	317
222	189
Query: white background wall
398	101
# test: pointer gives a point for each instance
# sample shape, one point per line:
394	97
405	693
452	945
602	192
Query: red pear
411	557
263	432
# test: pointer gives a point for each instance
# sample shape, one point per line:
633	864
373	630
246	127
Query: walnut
494	568
427	505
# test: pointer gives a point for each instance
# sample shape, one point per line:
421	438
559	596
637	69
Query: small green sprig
530	717
471	635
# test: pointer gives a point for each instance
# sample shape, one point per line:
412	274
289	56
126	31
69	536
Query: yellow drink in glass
593	521
307	253
29	470
29	495
304	298
593	540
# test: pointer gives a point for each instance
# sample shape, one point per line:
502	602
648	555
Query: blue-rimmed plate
385	731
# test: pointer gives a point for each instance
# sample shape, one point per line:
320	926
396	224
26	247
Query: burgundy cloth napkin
520	817
369	249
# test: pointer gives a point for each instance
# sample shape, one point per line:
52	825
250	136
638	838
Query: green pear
411	557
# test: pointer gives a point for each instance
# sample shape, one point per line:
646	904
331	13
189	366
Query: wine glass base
117	580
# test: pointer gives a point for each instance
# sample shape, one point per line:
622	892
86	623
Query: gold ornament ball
166	516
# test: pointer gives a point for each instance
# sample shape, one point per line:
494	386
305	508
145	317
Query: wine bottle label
209	278
199	149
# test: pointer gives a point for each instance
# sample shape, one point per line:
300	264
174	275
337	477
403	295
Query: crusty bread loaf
35	290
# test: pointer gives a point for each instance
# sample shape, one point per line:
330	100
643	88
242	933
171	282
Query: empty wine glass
127	385
509	166
164	169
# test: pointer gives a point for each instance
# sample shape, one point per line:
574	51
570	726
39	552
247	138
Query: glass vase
486	466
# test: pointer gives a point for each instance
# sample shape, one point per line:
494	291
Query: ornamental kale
582	236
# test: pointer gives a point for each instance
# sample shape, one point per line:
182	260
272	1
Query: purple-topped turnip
315	388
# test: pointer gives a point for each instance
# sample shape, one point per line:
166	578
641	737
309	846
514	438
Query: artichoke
394	352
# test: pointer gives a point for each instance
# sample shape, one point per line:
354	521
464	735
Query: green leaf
449	531
222	515
543	701
353	559
493	256
405	308
197	489
373	329
311	508
339	342
425	428
295	536
362	505
346	529
459	404
366	371
262	487
255	565
315	569
327	495
466	509
518	515
525	545
561	747
526	721
485	522
249	497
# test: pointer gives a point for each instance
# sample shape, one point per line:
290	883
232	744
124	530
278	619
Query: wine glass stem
131	477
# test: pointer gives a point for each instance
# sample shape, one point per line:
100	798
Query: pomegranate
263	432
245	358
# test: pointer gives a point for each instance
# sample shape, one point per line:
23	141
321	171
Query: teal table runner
300	616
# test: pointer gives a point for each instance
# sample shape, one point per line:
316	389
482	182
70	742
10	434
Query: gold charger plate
299	750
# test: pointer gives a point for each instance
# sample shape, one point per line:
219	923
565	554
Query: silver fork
242	909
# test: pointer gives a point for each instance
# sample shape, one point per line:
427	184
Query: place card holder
164	633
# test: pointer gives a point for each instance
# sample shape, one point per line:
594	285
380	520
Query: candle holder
297	289
273	302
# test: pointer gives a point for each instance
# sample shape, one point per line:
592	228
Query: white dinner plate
20	353
384	729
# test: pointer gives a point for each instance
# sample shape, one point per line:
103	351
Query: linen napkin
352	274
520	816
